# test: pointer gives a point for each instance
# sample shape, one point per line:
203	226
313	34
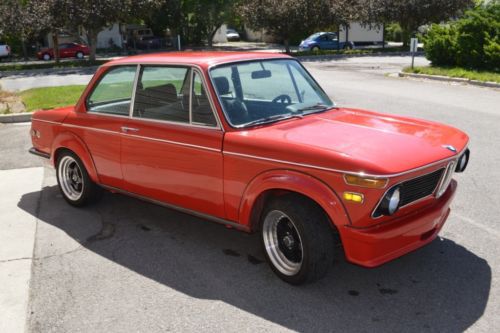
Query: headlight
463	161
390	203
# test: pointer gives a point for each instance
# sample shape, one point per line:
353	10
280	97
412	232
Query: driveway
126	265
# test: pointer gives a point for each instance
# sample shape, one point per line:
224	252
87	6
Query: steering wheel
284	99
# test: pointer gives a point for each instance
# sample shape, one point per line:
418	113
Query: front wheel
74	182
297	239
79	55
46	57
315	48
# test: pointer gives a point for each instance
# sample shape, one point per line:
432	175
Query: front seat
235	108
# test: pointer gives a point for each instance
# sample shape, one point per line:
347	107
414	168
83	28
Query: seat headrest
171	92
222	85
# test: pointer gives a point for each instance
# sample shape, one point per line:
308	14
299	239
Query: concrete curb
15	118
340	56
49	71
450	79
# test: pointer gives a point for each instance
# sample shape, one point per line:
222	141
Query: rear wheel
46	57
297	239
74	182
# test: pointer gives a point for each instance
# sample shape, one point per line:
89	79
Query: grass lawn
51	97
456	72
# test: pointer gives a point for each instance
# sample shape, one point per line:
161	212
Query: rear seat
162	103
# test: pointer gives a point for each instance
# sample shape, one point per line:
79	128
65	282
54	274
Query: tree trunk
383	36
92	40
25	50
286	41
211	36
55	42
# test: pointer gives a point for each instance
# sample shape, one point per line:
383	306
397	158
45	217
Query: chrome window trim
108	69
356	173
239	127
191	78
191	67
413	202
134	91
108	114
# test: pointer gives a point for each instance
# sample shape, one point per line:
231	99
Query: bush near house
470	42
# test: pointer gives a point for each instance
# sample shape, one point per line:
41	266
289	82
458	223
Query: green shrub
471	42
393	32
441	45
478	32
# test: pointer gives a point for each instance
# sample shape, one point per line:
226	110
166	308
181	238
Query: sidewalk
17	239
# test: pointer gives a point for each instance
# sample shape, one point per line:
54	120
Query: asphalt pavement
126	265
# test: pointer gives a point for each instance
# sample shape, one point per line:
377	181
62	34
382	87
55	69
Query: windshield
258	92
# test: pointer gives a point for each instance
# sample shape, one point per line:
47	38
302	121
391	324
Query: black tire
347	47
89	192
315	238
46	57
315	49
79	55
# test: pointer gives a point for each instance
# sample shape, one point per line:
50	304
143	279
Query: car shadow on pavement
441	287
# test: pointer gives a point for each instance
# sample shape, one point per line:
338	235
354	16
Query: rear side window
113	93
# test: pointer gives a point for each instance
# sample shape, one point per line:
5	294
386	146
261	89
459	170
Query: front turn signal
369	182
354	197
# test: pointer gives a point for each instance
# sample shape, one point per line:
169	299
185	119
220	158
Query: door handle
129	129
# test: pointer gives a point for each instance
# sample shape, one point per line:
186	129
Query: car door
64	50
333	41
172	145
99	124
323	42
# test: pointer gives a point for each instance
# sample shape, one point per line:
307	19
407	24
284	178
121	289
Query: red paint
224	172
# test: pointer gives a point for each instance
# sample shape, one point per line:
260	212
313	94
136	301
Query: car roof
199	58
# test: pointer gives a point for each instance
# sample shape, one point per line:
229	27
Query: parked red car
250	140
67	50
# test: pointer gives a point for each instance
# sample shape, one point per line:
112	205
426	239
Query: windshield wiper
270	119
317	106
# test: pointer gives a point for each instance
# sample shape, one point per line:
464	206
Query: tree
284	18
23	20
196	20
94	15
411	14
210	15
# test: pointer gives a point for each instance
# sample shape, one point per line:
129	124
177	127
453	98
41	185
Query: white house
106	38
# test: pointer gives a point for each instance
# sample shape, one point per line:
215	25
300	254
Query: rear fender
293	181
70	141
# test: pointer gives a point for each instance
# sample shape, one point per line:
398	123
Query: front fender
294	181
72	142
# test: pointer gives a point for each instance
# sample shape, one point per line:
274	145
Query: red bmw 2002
251	140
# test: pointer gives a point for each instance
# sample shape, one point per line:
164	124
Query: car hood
351	140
